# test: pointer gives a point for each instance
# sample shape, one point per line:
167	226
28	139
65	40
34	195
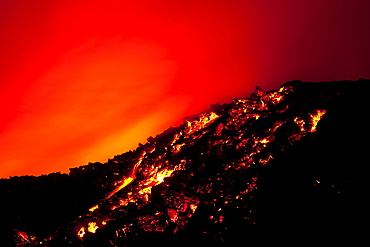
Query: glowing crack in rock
81	232
316	118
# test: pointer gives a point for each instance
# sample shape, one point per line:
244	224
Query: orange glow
81	232
155	179
300	123
123	184
173	215
203	121
92	227
162	175
316	118
93	208
82	81
193	207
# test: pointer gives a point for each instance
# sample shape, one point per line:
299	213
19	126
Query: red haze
83	81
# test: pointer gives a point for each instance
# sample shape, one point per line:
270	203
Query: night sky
82	81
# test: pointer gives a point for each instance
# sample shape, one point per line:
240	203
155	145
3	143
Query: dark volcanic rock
294	157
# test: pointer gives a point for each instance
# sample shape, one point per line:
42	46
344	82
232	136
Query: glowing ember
193	207
94	208
203	121
173	215
316	118
123	184
300	123
92	227
162	175
81	232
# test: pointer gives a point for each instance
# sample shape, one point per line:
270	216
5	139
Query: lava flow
206	170
159	159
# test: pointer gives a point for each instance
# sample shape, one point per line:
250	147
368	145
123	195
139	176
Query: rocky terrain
293	156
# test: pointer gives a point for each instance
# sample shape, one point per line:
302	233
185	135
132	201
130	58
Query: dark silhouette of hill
293	157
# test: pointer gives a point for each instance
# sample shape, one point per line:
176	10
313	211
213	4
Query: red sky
82	81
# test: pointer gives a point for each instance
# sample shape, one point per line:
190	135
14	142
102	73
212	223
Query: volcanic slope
289	156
